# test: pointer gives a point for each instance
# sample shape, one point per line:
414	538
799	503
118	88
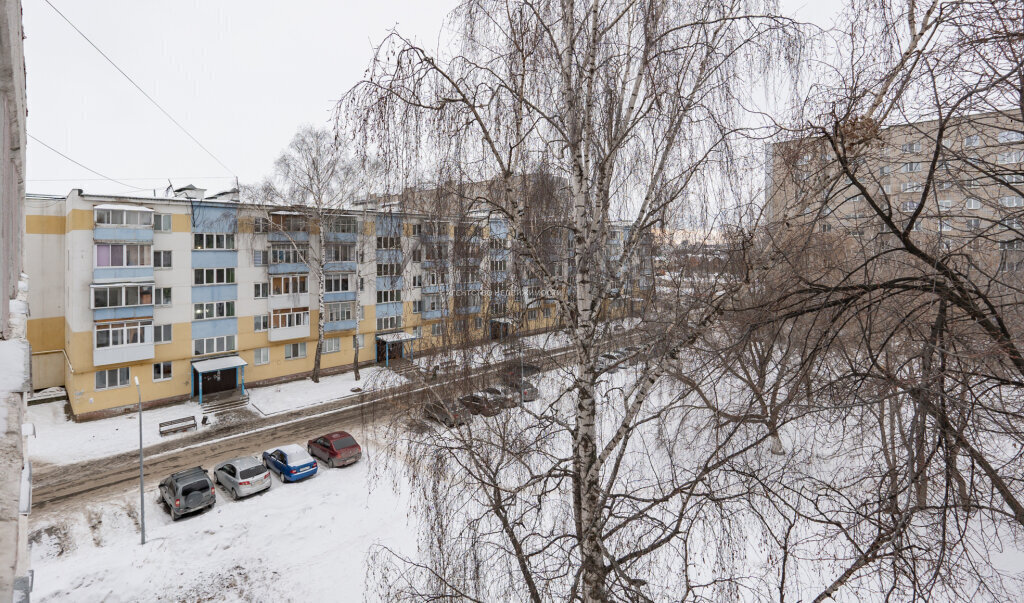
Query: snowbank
283	397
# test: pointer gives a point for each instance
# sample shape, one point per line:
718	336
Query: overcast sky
240	76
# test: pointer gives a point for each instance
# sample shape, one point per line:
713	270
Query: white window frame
213	276
118	373
162	254
331	345
263	288
160	330
261	356
165	370
260	323
295	351
162	223
162	296
213	241
219	345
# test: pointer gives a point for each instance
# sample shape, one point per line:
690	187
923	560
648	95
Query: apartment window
972	203
918	226
944	226
389	322
1010	223
123	217
213	276
359	342
435	329
417	230
885	170
223	309
911	187
112	378
261	225
114	334
417	331
118	255
389	269
334	283
332	345
531	315
825	227
286	254
389	296
340	252
289	222
161	259
437	252
339	311
417	255
972	141
1014	245
261	290
162	334
118	296
201	241
213	345
1010	157
910	167
1011	201
973	223
289	284
943	185
945	204
162	222
417	306
547	312
260	257
295	350
972	183
499	265
161	371
289	317
417	280
345	224
1009	136
911	147
478	323
432	302
162	296
261	356
261	322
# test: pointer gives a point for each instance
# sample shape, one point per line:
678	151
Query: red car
337	449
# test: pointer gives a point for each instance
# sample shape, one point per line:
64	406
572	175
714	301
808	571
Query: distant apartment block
193	293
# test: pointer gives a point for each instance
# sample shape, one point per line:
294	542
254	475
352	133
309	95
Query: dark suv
187	491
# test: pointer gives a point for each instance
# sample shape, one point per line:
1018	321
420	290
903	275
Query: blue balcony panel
389	256
392	309
386	283
340	266
288	237
211	293
134	273
340	325
116	313
467	310
435	263
214	327
469	286
388	225
214	217
215	258
117	234
431	289
342	237
298	268
340	296
433	314
499	229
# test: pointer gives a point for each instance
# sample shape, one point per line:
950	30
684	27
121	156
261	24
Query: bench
182	424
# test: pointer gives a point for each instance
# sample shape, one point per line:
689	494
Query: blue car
291	463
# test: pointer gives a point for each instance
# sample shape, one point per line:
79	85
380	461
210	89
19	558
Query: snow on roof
286	213
122	206
507	321
216	364
294	452
396	337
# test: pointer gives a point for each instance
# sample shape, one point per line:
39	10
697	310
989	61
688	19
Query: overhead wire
79	164
139	88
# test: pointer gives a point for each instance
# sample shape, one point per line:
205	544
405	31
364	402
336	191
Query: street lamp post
142	485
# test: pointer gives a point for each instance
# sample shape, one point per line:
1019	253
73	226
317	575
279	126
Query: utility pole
142	485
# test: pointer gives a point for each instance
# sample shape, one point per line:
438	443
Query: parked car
291	462
501	395
480	404
446	413
337	449
528	391
242	477
187	491
521	371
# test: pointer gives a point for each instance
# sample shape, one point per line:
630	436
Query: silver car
242	477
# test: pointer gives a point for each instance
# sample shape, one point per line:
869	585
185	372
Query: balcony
433	314
286	333
288	237
340	325
120	354
122	234
289	300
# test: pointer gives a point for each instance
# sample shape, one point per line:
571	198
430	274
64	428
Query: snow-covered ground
283	397
297	542
60	440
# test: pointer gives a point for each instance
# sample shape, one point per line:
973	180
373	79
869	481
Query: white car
242	477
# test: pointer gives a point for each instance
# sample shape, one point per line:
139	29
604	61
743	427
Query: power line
139	88
85	167
163	178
